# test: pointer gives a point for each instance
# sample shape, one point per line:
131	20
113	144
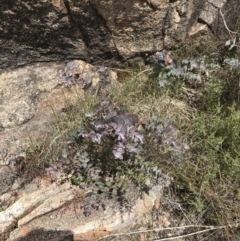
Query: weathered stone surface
211	10
93	30
6	179
21	89
32	29
28	97
46	209
29	202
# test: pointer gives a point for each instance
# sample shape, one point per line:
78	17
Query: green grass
210	175
208	179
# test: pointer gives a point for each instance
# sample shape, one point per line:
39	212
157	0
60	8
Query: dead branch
185	235
225	24
206	229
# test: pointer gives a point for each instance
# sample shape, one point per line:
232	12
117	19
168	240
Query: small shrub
185	79
200	83
107	153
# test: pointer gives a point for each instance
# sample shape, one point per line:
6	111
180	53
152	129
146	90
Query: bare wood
207	228
225	24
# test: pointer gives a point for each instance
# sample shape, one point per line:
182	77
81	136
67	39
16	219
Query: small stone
157	203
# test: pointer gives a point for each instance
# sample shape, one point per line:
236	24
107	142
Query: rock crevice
96	31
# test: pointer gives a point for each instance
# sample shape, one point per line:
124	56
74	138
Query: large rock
93	30
30	202
53	211
29	96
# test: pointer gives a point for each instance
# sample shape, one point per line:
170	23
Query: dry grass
207	180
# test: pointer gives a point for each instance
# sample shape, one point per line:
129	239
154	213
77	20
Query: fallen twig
185	235
207	228
225	24
146	70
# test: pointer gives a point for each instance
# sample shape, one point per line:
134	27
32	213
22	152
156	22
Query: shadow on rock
47	235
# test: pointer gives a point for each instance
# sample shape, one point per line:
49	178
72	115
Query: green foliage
189	69
210	177
211	173
208	181
182	78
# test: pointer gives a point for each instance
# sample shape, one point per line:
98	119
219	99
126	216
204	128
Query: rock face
93	30
6	179
46	211
28	98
